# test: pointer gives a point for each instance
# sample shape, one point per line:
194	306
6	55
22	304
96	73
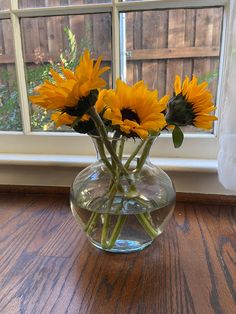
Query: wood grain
48	266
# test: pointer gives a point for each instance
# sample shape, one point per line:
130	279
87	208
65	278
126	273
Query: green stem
121	148
114	145
144	221
105	230
103	133
145	153
134	153
103	156
142	202
116	231
90	225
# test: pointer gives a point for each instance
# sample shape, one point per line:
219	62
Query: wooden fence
159	44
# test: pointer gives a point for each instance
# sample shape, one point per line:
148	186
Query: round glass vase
122	207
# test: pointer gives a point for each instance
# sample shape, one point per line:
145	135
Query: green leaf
177	136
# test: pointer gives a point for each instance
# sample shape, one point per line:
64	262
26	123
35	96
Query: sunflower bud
179	111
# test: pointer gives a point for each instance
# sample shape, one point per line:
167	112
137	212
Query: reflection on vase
120	214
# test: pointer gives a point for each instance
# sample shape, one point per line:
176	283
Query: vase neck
124	148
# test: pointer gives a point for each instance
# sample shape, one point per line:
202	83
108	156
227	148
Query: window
150	40
162	43
61	39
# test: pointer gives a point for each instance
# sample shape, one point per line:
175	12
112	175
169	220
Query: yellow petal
177	85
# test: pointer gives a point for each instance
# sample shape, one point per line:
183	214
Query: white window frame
199	151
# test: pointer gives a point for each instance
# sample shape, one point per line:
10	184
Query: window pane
163	43
50	43
50	3
10	117
4	4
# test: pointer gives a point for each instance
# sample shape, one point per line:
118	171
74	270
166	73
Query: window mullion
62	10
167	4
115	42
20	70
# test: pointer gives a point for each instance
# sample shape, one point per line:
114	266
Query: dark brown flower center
130	115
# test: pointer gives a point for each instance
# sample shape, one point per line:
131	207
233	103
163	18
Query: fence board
153	38
8	49
190	42
43	35
137	43
136	55
214	62
30	31
161	43
173	53
190	24
176	38
2	49
129	46
77	26
203	21
4	4
149	68
102	40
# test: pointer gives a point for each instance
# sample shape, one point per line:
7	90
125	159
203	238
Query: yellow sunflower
191	104
135	110
85	123
68	90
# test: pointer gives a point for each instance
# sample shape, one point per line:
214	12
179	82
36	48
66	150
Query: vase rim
111	138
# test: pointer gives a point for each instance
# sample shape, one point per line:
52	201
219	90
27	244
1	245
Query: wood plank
149	68
176	38
4	5
9	49
2	48
55	32
43	37
174	53
137	54
190	26
48	266
7	36
30	32
129	45
216	40
137	43
77	26
154	39
206	36
101	41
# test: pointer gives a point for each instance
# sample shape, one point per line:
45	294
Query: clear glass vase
122	208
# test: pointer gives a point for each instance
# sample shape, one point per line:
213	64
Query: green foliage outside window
10	115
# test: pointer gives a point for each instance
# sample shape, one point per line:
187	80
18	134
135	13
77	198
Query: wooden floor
48	266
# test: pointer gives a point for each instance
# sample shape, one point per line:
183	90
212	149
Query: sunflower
69	93
134	110
85	123
191	104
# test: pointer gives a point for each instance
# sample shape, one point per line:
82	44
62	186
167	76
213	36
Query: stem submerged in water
105	230
126	194
147	225
116	232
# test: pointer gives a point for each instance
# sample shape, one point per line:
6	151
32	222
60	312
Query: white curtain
227	152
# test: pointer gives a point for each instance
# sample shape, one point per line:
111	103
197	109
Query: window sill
167	164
